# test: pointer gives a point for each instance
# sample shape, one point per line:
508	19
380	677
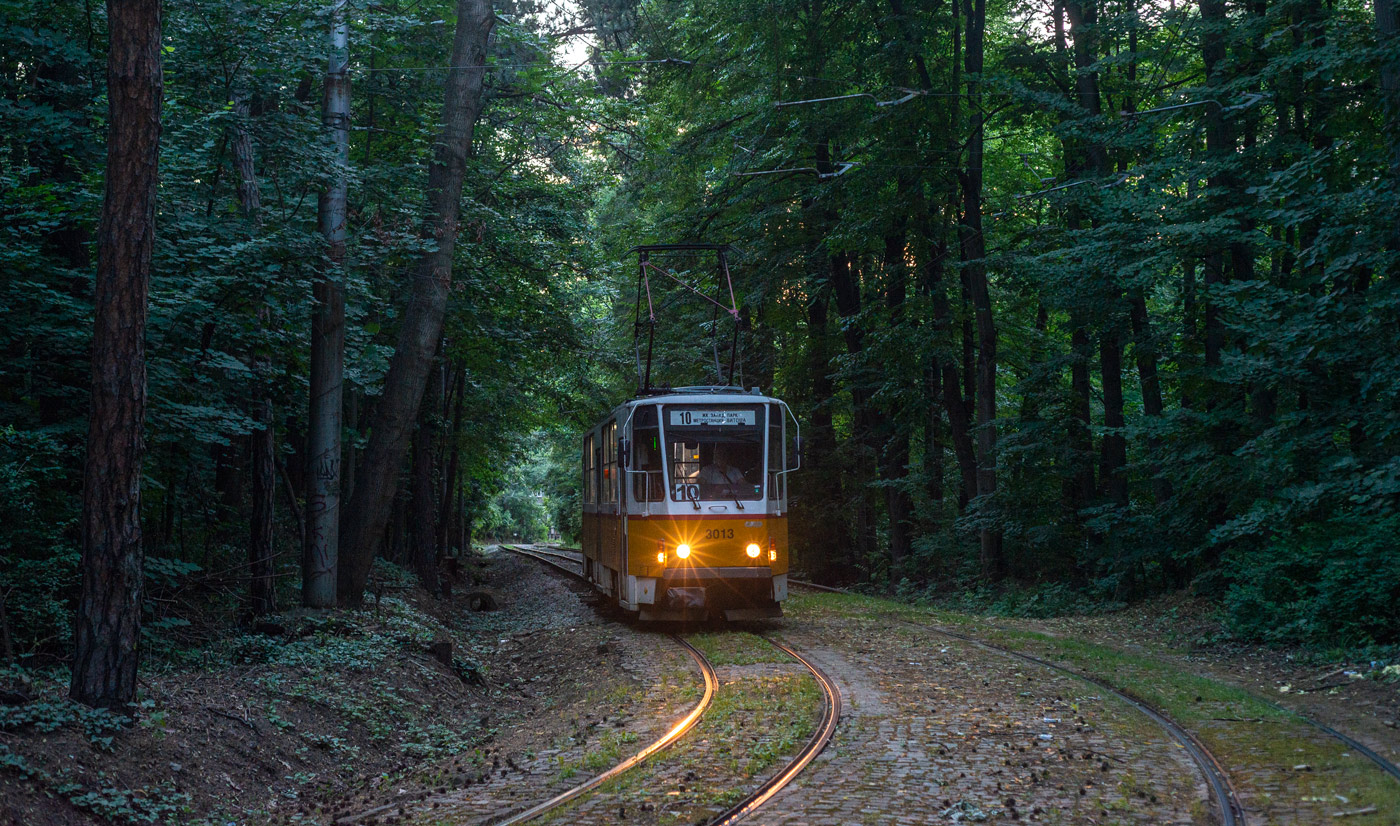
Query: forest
1078	301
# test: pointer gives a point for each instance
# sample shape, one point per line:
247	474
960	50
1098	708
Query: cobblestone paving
941	731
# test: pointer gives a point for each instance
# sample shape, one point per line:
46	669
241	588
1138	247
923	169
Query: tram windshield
715	453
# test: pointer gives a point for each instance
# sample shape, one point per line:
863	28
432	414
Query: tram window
775	452
647	482
715	453
609	483
590	490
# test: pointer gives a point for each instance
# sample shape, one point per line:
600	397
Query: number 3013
720	533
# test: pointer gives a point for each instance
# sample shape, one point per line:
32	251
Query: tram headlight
772	551
753	550
683	550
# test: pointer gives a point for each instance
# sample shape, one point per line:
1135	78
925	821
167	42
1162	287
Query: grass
736	648
751	724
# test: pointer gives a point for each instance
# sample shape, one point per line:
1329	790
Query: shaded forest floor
324	718
317	717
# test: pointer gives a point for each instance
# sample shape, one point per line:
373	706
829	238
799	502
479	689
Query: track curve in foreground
675	733
831	715
1223	792
826	728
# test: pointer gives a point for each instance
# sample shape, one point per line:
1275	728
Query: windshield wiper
693	494
734	493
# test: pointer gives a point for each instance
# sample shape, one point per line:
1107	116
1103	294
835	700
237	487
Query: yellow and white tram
685	504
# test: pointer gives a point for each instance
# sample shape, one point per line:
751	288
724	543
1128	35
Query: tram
685	504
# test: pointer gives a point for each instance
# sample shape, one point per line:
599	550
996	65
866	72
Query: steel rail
826	728
675	733
1351	742
831	715
1226	799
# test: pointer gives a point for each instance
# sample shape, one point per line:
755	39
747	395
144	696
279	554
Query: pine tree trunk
320	557
427	305
107	628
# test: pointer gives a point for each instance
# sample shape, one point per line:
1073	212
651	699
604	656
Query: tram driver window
715	455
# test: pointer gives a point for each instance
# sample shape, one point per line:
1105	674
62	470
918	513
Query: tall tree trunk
1390	99
454	450
262	445
1081	482
320	557
107	628
1219	145
894	453
1145	353
845	289
974	259
959	419
422	320
424	497
1113	451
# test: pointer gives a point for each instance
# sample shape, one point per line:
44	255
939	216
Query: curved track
1231	810
671	736
831	715
1352	743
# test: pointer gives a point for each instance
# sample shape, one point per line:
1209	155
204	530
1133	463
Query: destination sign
711	418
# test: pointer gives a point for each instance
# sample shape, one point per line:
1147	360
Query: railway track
1222	791
572	565
1231	810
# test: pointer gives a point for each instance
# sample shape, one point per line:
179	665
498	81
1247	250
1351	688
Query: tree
974	253
397	410
321	555
108	625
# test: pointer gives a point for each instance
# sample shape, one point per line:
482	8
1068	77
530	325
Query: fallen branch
233	717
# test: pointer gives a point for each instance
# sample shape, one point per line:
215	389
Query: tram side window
647	482
609	485
775	452
590	490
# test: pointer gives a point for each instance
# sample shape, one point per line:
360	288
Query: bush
1334	582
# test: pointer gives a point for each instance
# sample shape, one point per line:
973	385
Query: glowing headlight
682	550
661	557
753	550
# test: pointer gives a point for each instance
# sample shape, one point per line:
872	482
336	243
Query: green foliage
1336	581
38	560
